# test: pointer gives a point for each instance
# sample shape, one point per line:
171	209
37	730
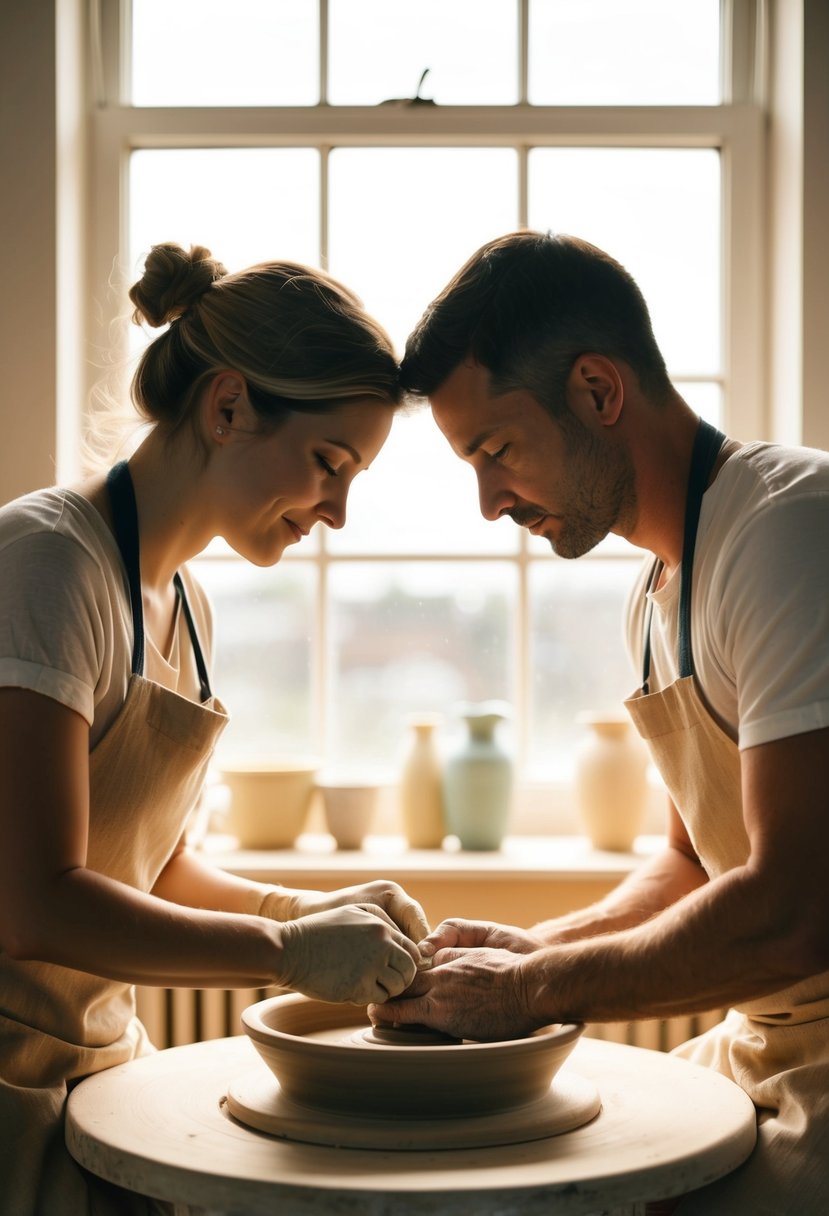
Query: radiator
175	1016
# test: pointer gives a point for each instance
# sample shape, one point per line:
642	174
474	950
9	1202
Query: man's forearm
720	945
652	887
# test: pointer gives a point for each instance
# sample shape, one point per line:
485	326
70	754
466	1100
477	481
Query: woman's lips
295	528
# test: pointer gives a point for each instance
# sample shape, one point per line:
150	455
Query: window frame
736	128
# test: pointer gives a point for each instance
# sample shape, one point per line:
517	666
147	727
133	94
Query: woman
268	392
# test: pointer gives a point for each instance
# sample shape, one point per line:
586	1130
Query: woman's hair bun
173	279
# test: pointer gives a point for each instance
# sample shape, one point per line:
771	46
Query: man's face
556	477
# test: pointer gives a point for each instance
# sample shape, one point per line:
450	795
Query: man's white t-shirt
760	597
65	618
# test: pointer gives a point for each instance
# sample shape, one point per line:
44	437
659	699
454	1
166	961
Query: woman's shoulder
56	517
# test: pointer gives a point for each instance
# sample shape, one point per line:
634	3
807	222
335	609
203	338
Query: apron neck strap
707	443
125	524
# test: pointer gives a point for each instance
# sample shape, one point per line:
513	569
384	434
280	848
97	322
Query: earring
220	430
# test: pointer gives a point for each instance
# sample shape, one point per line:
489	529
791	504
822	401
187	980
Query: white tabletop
157	1126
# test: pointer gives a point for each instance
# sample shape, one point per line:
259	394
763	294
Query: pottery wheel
255	1099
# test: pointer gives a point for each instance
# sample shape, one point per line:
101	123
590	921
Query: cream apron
776	1048
58	1025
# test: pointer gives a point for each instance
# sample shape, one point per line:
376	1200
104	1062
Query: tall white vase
421	788
611	782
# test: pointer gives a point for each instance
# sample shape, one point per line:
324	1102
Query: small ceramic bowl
326	1056
269	801
349	810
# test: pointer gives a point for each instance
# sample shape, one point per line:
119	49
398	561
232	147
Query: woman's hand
286	904
354	953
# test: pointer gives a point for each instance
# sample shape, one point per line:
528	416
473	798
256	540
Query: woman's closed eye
502	451
324	465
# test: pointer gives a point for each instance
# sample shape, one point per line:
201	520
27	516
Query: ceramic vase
478	778
611	782
421	790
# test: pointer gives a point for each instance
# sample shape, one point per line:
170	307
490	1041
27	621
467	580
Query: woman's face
277	484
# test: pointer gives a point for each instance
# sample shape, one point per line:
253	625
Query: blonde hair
301	340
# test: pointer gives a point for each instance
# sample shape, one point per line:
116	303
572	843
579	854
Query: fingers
451	933
409	915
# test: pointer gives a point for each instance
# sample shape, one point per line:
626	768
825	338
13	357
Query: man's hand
284	903
353	954
469	933
471	993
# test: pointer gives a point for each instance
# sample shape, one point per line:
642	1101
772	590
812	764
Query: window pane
246	205
657	211
418	497
403	220
640	52
577	660
413	638
211	53
262	654
705	399
378	50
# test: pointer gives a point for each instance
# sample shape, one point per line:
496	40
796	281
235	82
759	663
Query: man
543	373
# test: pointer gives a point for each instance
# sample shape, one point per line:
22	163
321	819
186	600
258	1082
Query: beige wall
28	222
42	208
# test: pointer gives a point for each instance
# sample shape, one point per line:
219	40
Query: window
288	130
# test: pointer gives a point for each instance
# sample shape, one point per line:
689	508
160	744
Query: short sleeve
53	608
775	608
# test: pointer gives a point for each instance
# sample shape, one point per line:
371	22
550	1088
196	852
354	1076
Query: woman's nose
331	512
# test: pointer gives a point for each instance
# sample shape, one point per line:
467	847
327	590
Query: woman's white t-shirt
65	618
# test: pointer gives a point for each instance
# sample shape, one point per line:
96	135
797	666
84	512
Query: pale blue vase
477	780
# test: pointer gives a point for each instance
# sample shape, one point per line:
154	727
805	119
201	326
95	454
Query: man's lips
536	528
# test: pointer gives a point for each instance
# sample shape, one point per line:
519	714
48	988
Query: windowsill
561	858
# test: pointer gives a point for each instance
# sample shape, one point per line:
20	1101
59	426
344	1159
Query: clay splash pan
334	1080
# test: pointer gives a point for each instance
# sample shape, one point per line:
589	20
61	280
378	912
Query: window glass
212	53
403	220
378	50
657	211
578	659
631	53
413	638
419	497
246	205
262	665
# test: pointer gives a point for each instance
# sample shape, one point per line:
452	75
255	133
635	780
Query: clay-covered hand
284	903
463	934
354	954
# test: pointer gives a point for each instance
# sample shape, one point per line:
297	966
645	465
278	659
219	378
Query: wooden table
157	1126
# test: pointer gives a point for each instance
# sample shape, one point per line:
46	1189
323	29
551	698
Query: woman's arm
187	879
54	909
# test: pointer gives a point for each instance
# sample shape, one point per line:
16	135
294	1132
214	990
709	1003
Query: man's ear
595	389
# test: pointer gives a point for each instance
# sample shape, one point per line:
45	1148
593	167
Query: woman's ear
596	389
225	397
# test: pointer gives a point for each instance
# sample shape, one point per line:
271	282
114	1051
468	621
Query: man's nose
494	496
